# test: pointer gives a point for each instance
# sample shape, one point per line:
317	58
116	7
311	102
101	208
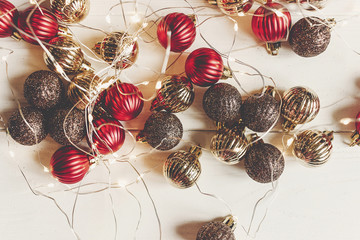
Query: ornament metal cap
15	35
273	48
355	139
196	151
270	90
96	48
254	139
226	73
141	137
64	31
231	221
212	2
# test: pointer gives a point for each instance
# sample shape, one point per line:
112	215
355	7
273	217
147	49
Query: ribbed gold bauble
70	11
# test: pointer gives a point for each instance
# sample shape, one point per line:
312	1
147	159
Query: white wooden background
309	203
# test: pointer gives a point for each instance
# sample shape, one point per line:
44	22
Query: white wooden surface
316	204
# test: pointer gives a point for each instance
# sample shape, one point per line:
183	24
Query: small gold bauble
70	11
233	7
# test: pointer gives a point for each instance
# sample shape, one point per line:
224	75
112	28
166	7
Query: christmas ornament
182	168
27	126
229	144
118	48
264	162
222	102
313	147
42	22
162	131
68	56
310	36
182	30
260	112
8	18
204	67
310	4
66	125
108	136
72	11
299	105
218	230
43	89
233	7
123	101
175	95
69	165
271	23
355	137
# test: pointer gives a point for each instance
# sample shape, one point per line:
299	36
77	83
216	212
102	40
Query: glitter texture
215	231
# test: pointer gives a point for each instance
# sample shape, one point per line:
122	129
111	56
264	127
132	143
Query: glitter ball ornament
271	23
123	101
182	168
118	48
218	230
43	23
222	103
66	125
260	113
69	165
233	7
8	18
310	36
310	4
264	162
72	11
299	105
43	89
229	144
68	56
182	29
162	131
204	67
313	147
28	126
175	95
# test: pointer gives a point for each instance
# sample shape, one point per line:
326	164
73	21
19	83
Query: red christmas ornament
182	30
43	23
69	165
8	17
123	101
108	136
271	23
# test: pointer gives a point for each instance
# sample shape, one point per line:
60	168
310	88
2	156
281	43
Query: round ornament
118	48
271	23
218	230
313	147
222	102
310	36
299	105
8	17
310	4
43	89
182	168
28	126
260	113
355	137
175	95
264	162
162	131
233	7
69	165
72	11
182	29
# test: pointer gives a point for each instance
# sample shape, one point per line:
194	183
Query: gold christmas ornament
70	11
67	55
233	7
229	144
299	105
175	95
118	48
313	147
182	168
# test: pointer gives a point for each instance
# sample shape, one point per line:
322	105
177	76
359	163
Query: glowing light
33	2
289	142
145	83
346	121
236	27
4	58
108	19
158	85
121	183
135	18
51	185
46	169
12	154
132	157
90	117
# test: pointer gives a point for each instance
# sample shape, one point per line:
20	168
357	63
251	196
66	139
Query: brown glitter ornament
218	230
72	11
264	162
310	36
182	168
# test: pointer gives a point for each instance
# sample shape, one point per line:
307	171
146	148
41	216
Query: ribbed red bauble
108	135
204	67
123	101
69	165
43	23
271	23
182	30
8	16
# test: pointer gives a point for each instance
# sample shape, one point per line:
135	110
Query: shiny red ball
357	123
123	101
108	135
69	165
204	67
44	25
271	22
8	18
182	30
